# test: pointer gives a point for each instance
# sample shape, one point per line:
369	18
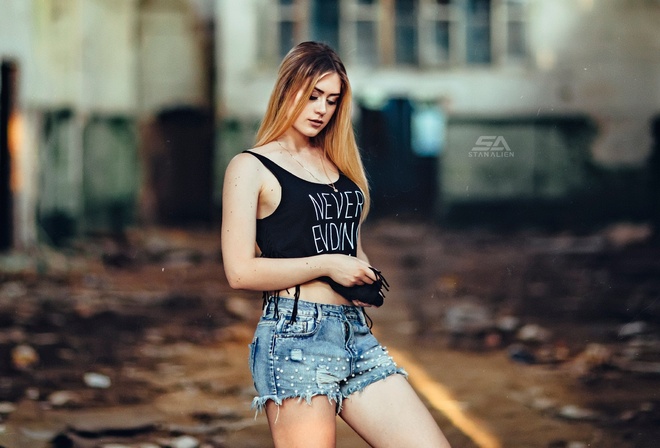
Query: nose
320	106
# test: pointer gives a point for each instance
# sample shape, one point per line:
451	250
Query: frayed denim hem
259	403
359	387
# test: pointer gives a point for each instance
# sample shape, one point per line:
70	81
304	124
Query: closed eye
332	102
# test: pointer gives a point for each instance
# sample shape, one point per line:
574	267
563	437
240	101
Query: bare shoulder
243	162
245	167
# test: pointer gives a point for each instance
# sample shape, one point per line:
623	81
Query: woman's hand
361	304
349	271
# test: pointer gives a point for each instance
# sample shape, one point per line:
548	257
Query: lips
316	122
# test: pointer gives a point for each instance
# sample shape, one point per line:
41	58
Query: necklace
329	184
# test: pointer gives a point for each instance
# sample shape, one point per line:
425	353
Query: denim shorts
327	350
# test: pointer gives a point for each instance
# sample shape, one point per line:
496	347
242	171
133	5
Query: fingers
366	274
362	304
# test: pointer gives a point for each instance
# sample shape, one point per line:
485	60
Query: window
291	18
436	25
360	32
405	32
324	23
478	27
516	30
418	33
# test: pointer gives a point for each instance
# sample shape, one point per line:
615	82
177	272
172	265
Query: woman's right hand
349	271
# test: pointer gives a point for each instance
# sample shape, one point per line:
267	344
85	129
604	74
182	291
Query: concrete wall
94	73
599	58
91	73
597	61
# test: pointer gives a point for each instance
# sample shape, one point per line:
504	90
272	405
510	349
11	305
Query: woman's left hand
358	303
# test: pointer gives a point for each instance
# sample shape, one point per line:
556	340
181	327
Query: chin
311	133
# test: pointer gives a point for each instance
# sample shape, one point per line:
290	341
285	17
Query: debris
41	434
533	333
184	442
24	357
642	367
521	354
589	364
13	290
543	404
576	445
466	318
97	380
565	244
492	340
32	393
7	408
625	234
63	398
632	329
507	324
467	321
573	412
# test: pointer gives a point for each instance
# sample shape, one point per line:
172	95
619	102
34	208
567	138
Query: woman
292	207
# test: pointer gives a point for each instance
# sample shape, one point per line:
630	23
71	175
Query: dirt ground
540	340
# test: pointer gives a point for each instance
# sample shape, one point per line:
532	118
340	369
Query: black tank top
311	218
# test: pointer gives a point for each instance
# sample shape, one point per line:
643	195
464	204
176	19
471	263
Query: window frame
382	14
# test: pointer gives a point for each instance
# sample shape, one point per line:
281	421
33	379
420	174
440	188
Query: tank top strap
273	167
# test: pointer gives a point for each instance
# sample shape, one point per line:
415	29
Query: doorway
402	142
7	96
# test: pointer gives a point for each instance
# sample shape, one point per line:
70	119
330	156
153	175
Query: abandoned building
468	111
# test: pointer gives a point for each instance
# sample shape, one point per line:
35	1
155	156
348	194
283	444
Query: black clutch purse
371	293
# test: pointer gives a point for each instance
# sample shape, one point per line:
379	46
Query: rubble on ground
104	328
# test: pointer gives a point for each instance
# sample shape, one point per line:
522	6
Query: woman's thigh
298	424
388	413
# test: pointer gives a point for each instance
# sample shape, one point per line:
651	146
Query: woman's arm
242	192
360	252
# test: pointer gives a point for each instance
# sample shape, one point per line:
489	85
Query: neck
296	142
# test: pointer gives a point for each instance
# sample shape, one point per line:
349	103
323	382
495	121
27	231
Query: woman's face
320	106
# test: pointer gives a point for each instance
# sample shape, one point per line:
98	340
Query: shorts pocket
302	326
252	354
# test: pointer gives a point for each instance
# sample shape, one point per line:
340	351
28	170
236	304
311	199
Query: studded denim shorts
327	350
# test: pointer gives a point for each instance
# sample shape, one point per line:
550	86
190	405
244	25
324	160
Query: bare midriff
318	292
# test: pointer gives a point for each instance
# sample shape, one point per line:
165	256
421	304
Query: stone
533	333
184	442
63	398
573	412
632	329
7	408
97	380
24	357
520	353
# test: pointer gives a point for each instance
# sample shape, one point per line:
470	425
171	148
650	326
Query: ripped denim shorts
327	350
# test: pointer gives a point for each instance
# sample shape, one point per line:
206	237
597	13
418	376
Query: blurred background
124	112
513	149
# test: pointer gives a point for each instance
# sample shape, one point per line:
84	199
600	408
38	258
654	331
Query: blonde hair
299	71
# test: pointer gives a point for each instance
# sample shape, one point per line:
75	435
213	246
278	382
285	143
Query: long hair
299	71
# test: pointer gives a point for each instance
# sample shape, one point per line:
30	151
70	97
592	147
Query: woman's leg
388	413
296	424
